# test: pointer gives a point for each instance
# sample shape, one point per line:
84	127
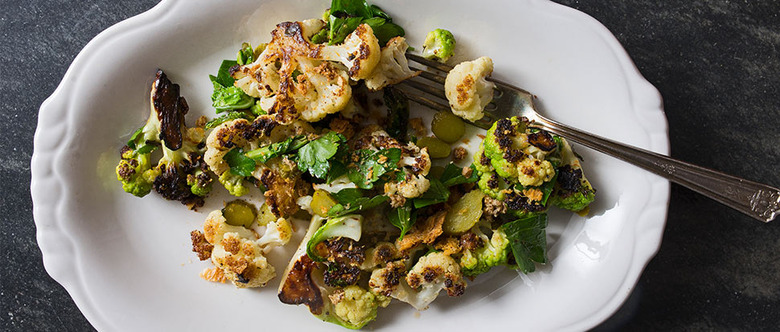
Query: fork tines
428	88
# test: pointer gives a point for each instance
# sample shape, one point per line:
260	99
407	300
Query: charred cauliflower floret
239	133
393	66
279	176
237	251
467	89
331	91
435	272
421	285
360	52
295	78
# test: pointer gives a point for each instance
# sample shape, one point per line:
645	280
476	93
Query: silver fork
754	199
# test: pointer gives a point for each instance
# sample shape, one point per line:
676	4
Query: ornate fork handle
754	199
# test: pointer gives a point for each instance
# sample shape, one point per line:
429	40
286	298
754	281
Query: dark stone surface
715	62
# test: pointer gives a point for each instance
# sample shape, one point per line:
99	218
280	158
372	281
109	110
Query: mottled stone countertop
715	62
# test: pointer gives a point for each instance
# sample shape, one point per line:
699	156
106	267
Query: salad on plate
396	208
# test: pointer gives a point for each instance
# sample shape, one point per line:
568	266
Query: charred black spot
262	126
340	275
344	250
170	107
513	155
516	201
240	278
172	184
542	140
569	179
492	183
484	160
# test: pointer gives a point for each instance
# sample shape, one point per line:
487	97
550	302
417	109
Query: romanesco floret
135	172
467	89
572	190
180	174
234	184
493	185
200	183
439	45
494	252
508	147
354	307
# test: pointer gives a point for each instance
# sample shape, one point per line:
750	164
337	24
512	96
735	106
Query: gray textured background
715	62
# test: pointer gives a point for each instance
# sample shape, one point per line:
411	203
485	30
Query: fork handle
754	199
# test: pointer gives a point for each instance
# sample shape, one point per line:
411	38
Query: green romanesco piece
135	172
572	190
355	307
495	252
493	185
234	183
200	183
439	45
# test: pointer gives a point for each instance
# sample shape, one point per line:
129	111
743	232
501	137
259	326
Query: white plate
127	262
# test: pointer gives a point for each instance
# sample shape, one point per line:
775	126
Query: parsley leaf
223	77
230	98
346	15
372	165
403	218
313	157
337	169
453	175
436	193
528	240
227	117
348	195
239	163
352	200
267	152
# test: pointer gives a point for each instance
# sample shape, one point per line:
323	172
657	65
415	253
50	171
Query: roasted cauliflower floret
421	285
435	272
467	89
295	78
239	133
393	66
331	91
412	186
360	52
277	234
237	252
